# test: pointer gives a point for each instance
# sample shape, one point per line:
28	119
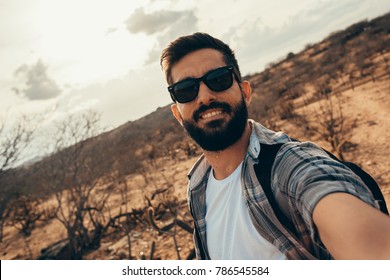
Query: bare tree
171	204
14	139
25	213
76	167
333	63
367	49
129	222
329	122
6	197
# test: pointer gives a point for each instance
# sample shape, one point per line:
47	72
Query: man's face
215	120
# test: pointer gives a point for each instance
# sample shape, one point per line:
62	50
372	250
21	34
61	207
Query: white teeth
209	115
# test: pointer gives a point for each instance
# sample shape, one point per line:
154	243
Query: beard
218	134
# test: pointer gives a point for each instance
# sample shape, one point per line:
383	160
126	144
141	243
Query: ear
176	113
246	91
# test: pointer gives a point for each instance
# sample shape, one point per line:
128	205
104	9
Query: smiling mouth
213	111
208	115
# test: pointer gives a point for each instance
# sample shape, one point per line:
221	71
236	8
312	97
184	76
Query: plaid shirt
302	174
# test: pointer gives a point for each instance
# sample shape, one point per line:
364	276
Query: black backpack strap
263	172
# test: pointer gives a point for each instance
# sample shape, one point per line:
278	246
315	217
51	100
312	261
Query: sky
61	57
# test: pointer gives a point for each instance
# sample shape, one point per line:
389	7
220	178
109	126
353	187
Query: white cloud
156	22
167	25
38	84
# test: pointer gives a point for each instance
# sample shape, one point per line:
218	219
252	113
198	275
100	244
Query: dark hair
184	45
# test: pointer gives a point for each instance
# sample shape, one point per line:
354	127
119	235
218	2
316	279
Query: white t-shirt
229	229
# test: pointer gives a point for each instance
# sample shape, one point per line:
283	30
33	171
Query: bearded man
332	211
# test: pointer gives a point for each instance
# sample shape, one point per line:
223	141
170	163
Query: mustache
214	105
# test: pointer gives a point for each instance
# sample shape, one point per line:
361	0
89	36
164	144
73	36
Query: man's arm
351	229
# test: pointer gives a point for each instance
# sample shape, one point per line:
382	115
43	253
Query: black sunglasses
219	79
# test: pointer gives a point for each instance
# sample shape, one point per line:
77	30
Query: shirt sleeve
303	174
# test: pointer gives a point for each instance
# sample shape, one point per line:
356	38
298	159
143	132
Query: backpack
263	172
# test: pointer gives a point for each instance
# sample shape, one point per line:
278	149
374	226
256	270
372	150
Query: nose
205	95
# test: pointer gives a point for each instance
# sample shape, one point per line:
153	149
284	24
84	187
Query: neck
226	161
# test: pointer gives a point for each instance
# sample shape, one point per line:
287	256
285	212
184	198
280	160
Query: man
333	218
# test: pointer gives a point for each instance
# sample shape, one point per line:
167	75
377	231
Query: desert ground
366	110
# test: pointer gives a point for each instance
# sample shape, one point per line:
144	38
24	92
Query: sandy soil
368	105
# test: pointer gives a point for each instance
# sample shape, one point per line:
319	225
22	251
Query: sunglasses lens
219	80
185	91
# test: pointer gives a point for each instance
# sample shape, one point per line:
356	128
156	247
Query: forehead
196	64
